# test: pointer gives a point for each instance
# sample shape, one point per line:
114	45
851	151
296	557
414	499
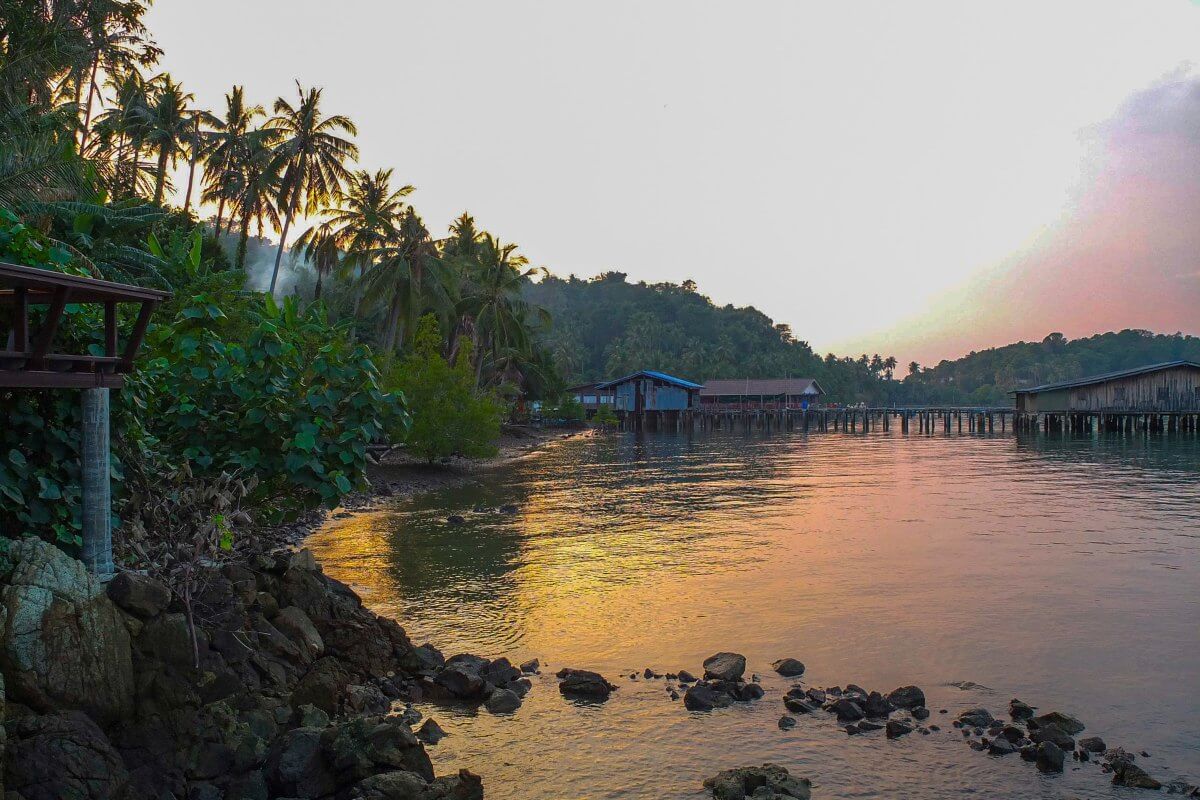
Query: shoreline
398	478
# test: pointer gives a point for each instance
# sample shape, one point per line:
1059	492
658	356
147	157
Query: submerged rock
1049	757
1092	744
768	782
788	667
798	706
976	717
1133	776
686	677
786	722
431	732
725	667
896	729
531	666
584	683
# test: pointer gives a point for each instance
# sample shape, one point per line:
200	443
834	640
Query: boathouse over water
1154	397
748	394
653	398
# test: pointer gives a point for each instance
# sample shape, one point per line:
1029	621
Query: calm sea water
1065	572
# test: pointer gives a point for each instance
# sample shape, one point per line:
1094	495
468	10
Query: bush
605	417
448	415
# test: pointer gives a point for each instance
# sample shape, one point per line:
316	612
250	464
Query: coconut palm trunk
287	223
87	113
160	182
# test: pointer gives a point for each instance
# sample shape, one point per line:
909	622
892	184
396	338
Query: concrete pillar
97	493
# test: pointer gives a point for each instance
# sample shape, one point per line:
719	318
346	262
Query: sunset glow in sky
918	179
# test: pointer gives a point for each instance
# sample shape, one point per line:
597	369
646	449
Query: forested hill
606	327
987	376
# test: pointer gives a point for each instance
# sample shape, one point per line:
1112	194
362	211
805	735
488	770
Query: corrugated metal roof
755	386
1108	376
649	373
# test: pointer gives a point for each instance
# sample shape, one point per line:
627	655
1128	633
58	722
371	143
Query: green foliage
449	416
564	409
605	417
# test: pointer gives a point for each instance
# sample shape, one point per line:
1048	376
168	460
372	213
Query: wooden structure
29	361
591	398
653	399
746	394
982	419
1157	397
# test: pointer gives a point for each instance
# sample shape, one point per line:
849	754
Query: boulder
976	717
63	642
430	732
584	683
296	625
798	706
531	666
703	697
1053	733
1049	757
895	729
686	677
1001	746
865	726
139	594
461	676
408	786
61	754
365	699
1019	711
788	667
725	667
919	712
786	722
1092	744
1063	721
1129	774
847	710
906	697
322	685
768	782
747	692
502	701
876	706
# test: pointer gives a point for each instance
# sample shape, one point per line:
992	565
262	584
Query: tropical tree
227	141
405	277
499	314
312	155
168	128
257	186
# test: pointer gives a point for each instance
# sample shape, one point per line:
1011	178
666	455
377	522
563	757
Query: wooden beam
44	379
139	333
45	337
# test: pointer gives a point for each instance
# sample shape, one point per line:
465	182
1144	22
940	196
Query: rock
1063	721
309	716
461	676
425	658
1029	752
816	695
865	726
798	706
895	729
508	508
1053	733
1019	711
847	710
502	701
919	712
1049	757
456	519
407	786
430	732
365	699
751	691
768	782
139	594
906	697
63	642
786	722
977	746
322	685
62	754
852	730
1012	733
702	697
788	667
531	666
583	683
1133	776
295	624
686	677
725	667
976	717
1092	744
876	706
519	687
1001	747
500	672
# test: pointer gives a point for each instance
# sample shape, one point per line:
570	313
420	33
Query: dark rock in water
520	687
875	706
816	695
531	666
798	706
1133	776
1029	752
461	676
768	782
508	508
1019	711
847	710
674	695
725	666
500	672
977	745
856	690
1082	755
852	730
139	594
456	519
1012	733
1063	721
1049	757
686	677
786	722
402	785
426	657
703	697
906	697
1001	747
865	726
1053	733
1118	755
584	683
1092	744
896	729
919	712
788	667
975	717
649	674
431	732
502	701
935	728
751	691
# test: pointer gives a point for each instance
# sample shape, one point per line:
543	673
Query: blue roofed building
650	391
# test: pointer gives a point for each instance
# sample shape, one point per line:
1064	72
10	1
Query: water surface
1065	572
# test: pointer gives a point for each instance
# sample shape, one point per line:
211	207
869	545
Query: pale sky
910	178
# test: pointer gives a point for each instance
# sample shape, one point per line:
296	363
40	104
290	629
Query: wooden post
96	506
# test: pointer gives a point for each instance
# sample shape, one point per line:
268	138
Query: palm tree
913	368
226	141
313	157
118	43
319	245
499	313
257	186
405	276
128	123
198	146
169	127
889	366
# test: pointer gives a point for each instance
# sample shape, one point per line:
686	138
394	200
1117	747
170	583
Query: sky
918	179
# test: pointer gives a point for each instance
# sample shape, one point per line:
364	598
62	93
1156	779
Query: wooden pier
910	420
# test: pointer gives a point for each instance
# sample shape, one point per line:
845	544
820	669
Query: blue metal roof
1109	376
649	373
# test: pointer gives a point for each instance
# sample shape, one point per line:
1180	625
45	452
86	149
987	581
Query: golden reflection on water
1062	571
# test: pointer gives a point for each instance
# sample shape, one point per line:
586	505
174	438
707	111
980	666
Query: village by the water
832	432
